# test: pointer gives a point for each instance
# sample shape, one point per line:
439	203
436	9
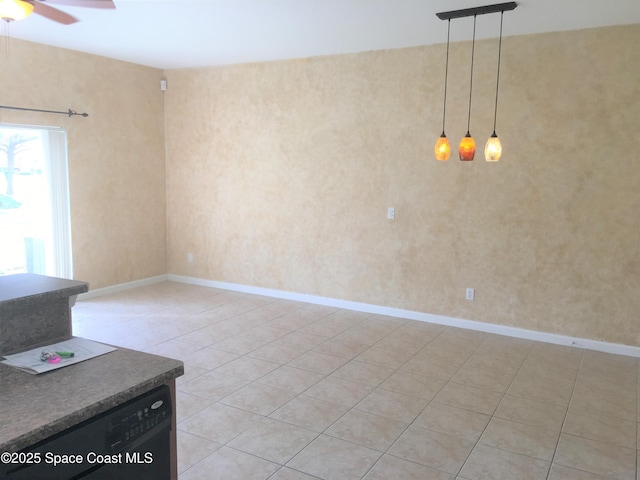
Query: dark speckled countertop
34	407
30	286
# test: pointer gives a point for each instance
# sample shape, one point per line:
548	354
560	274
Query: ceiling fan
18	9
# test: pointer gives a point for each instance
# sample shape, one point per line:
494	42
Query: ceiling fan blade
85	3
53	13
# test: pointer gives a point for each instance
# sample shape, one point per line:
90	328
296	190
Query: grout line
566	413
354	324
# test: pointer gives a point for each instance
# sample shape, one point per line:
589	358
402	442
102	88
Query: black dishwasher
130	441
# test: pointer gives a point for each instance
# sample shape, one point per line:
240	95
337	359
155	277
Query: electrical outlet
470	293
190	257
391	213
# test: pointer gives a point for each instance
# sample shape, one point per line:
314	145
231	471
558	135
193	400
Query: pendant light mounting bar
470	12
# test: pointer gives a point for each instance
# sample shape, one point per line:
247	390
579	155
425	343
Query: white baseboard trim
122	287
515	332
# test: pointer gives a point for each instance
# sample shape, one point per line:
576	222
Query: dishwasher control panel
132	423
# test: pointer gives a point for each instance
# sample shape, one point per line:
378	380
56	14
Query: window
35	233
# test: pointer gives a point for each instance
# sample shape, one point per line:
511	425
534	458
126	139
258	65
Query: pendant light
493	148
11	10
442	149
467	148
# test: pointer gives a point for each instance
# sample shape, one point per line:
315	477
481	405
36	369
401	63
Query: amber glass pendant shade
467	149
442	149
493	149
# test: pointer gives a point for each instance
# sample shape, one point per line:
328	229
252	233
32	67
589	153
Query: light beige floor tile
208	358
452	421
401	343
278	353
450	349
432	449
365	373
341	348
490	361
361	334
430	366
536	442
293	379
624	386
422	331
192	449
495	380
228	326
172	349
397	406
560	472
532	412
368	430
486	463
550	390
318	362
509	348
239	344
293	351
389	467
469	398
212	385
596	457
336	390
302	340
541	374
258	398
266	333
188	405
552	356
385	357
334	459
309	412
325	327
190	373
273	440
421	386
291	321
604	403
385	323
205	337
601	427
219	423
247	368
608	364
286	473
229	464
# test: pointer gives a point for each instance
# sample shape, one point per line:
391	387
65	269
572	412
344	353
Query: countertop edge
17	443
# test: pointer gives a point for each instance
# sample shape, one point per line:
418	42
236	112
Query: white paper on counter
82	348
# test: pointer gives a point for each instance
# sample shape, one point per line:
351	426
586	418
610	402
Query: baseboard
515	332
122	287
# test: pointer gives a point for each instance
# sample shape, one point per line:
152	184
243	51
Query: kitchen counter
34	407
35	310
31	287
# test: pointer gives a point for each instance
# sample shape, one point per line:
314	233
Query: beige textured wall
279	175
116	155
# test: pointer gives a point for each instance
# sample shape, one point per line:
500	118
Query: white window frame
59	259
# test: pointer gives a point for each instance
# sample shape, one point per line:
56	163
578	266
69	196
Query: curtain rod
69	112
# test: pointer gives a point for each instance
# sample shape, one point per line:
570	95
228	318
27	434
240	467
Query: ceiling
171	34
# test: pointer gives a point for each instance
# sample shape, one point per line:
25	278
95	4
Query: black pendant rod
70	112
470	12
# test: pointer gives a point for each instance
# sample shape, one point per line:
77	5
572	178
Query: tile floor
282	390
